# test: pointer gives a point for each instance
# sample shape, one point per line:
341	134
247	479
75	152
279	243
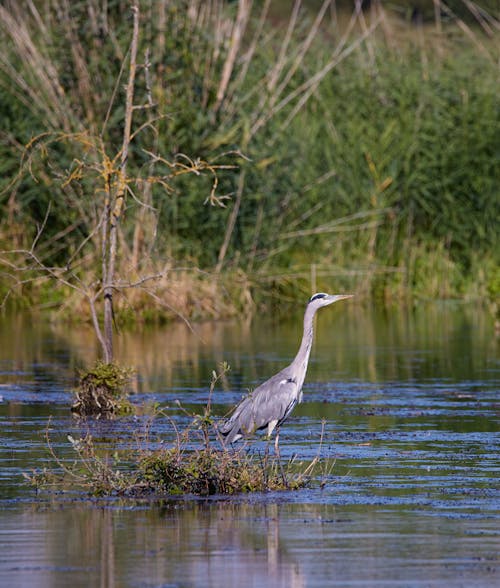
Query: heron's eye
317	296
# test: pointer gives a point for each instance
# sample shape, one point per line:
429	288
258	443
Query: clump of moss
215	471
103	391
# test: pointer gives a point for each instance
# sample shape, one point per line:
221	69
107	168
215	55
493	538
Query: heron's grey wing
271	401
278	401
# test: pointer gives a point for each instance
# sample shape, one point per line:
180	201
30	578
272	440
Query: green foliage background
385	180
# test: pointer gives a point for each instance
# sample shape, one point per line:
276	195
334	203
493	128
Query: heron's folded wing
273	402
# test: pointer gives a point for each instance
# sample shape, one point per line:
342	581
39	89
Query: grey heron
270	404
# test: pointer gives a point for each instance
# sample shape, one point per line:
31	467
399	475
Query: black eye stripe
317	296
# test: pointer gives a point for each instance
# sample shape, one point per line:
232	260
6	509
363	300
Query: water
411	453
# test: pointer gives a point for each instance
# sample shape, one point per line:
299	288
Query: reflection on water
432	342
411	407
243	544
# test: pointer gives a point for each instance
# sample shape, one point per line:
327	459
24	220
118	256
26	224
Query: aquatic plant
197	462
102	390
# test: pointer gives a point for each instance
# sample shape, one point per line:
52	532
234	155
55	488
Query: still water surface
411	402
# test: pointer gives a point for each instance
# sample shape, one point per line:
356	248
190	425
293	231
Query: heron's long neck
302	357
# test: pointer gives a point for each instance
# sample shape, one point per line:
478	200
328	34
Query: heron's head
322	299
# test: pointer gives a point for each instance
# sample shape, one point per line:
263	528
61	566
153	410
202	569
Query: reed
351	133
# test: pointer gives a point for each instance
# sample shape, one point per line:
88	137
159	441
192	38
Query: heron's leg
277	444
278	456
266	452
270	428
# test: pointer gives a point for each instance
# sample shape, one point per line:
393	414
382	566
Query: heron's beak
337	297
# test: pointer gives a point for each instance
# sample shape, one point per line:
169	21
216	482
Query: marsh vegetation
196	462
195	160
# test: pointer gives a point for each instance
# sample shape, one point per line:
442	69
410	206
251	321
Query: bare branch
40	229
169	307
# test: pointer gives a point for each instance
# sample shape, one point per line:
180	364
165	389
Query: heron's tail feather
230	430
